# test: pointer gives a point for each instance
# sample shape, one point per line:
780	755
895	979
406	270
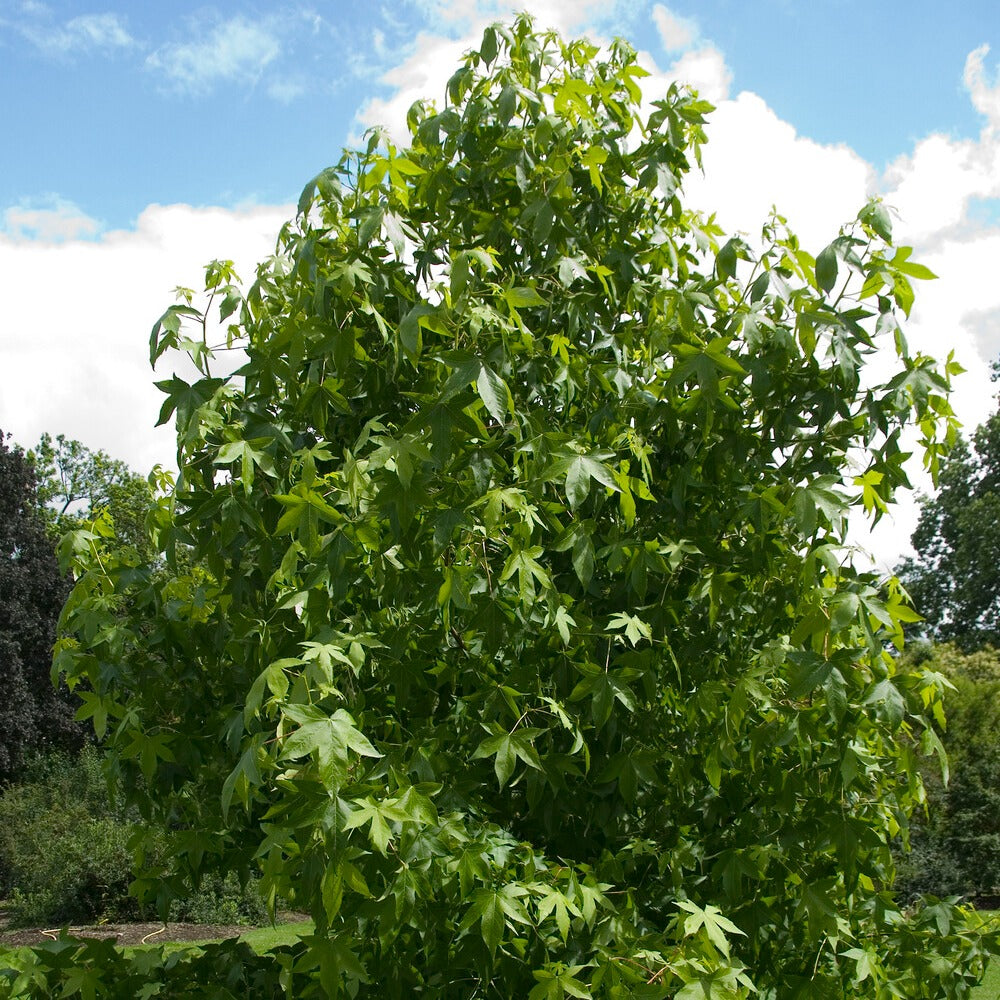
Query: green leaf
580	470
876	215
583	559
327	739
810	672
488	911
493	392
725	260
826	268
522	297
186	399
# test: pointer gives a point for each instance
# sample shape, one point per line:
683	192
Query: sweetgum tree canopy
507	625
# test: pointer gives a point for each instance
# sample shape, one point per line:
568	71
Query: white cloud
51	219
933	187
676	33
423	74
985	98
754	160
85	33
237	50
927	208
75	321
704	69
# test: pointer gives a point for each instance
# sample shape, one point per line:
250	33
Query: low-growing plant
223	900
66	853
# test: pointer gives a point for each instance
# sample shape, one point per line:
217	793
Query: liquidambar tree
510	627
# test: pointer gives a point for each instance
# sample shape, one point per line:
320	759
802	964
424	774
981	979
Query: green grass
263	939
989	988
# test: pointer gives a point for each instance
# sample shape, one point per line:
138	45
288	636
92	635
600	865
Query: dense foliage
506	623
956	847
66	857
64	854
955	577
57	486
33	714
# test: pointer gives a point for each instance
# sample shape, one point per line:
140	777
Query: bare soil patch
152	932
125	934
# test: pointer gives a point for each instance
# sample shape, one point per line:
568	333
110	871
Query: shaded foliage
66	854
33	714
956	845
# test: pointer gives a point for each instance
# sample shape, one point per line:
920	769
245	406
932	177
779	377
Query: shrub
66	856
222	900
514	639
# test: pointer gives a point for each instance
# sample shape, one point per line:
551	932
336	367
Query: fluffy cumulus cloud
676	33
985	96
755	161
51	219
940	191
704	69
75	323
238	50
421	75
931	211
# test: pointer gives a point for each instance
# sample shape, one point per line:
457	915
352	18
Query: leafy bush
222	900
66	856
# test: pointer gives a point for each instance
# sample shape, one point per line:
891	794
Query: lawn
989	988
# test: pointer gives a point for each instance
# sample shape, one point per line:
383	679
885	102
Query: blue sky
141	140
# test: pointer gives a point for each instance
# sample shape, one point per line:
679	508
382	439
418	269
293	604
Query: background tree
33	714
956	847
517	643
954	579
75	484
58	486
